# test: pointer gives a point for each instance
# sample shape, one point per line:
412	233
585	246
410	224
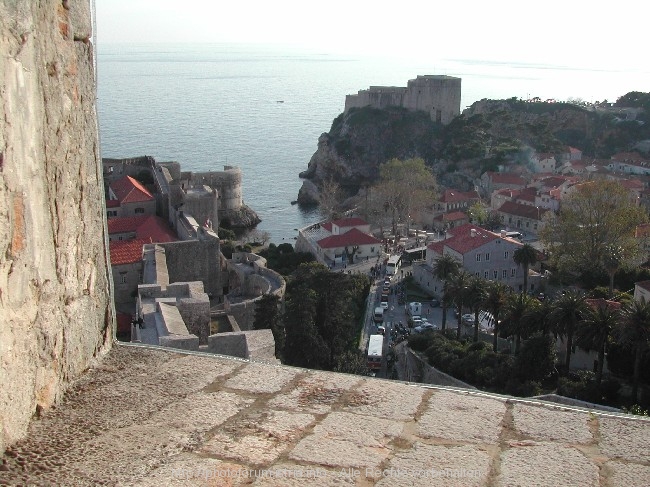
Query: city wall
56	312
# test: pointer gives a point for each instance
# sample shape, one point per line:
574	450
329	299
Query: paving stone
200	412
362	430
626	474
338	453
399	401
193	372
567	426
315	393
188	470
292	475
347	440
462	417
546	464
625	438
258	438
261	379
436	465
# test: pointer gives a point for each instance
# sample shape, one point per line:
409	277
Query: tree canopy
598	216
406	187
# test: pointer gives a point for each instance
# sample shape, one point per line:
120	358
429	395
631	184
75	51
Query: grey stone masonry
151	417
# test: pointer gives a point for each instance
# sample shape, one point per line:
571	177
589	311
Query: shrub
419	342
528	388
536	359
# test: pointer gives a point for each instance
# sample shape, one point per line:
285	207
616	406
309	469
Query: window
504	273
486	275
122	277
487	256
535	226
111	213
478	257
505	254
139	210
496	274
372	250
478	274
513	272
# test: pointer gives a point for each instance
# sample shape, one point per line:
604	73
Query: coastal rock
359	142
244	217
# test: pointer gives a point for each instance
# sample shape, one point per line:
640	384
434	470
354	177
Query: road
394	314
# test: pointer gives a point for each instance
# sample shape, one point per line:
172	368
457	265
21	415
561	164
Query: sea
262	108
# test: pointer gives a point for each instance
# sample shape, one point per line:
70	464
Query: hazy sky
557	32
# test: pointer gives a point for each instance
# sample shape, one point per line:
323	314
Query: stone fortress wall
439	96
56	312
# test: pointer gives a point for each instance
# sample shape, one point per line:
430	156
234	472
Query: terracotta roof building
128	197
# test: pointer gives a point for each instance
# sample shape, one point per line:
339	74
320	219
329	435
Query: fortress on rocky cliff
437	95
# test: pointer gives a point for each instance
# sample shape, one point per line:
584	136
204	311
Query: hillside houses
339	242
482	253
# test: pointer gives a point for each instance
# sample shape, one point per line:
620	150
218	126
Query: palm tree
568	310
635	331
444	267
456	288
495	300
525	256
594	330
517	316
476	294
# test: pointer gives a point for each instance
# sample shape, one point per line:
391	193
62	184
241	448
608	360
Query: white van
414	309
379	314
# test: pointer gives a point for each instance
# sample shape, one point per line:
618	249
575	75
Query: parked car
435	303
425	326
381	330
384	304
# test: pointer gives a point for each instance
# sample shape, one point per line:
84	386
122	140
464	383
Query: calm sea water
263	108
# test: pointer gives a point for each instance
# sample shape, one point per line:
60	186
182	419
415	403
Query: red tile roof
125	224
453	196
349	222
505	178
437	247
126	251
451	217
129	190
629	157
632	184
150	227
462	240
353	237
112	203
524	211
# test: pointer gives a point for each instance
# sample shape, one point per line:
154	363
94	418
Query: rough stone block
262	379
536	421
626	474
398	402
458	416
316	393
625	438
435	465
530	463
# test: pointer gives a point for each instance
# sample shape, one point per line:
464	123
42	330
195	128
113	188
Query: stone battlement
150	417
439	96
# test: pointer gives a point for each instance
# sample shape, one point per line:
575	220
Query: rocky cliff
55	311
488	133
362	139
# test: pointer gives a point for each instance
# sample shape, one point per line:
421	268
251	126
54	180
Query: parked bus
375	351
393	264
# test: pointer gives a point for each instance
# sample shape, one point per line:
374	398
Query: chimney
472	232
503	234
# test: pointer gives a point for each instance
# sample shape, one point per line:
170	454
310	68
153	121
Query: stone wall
439	96
56	314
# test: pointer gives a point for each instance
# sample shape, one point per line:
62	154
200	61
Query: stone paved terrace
146	417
